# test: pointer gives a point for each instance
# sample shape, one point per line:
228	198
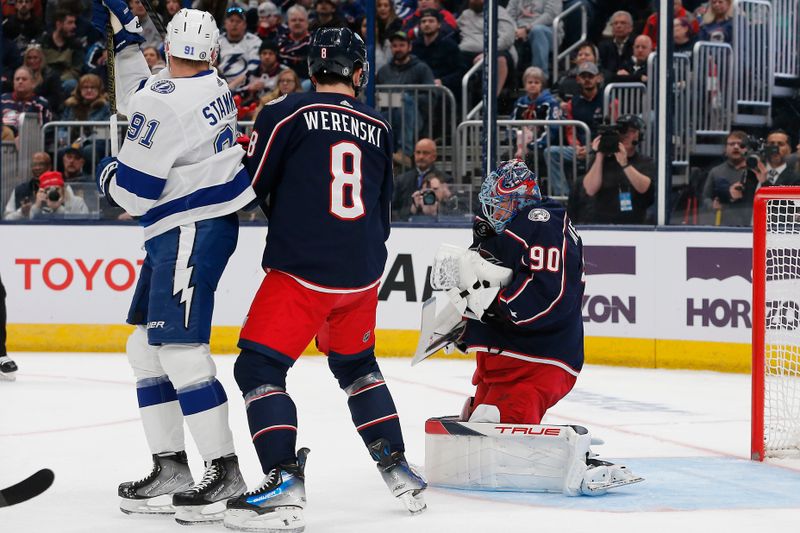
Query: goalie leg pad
505	457
368	398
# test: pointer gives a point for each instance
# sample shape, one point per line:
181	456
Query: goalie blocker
517	457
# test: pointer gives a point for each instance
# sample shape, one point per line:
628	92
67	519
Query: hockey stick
155	17
27	488
111	88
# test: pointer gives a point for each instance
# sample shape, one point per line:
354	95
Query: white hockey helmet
193	34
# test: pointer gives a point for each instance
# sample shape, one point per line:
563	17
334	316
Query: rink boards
665	298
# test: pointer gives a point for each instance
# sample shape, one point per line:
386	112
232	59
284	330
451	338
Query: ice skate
602	476
205	502
153	494
8	369
403	481
276	505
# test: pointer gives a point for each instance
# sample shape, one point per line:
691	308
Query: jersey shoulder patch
277	100
163	86
538	215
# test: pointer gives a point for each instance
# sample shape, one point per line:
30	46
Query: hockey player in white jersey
179	170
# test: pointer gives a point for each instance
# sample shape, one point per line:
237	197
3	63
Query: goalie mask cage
776	323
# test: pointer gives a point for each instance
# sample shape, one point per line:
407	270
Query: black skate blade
27	488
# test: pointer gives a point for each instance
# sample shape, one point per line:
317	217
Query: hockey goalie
513	299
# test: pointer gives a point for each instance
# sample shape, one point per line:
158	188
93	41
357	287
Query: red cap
52	178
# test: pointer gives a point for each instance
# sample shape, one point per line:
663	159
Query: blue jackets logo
163	87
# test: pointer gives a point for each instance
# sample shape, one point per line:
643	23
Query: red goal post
775	421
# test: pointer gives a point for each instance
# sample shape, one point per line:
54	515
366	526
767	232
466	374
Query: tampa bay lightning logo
163	87
539	215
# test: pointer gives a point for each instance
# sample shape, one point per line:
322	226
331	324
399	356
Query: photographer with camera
775	170
413	180
433	194
728	183
620	181
54	200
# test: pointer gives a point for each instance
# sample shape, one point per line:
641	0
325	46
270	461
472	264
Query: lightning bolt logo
183	271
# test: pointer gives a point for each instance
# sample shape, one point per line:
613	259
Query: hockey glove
106	169
127	32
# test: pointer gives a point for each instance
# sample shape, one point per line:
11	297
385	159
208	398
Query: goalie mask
506	191
192	34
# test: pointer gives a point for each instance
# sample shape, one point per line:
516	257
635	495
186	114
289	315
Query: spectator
383	50
537	104
154	61
387	20
72	164
11	60
62	52
431	198
352	11
326	16
46	82
88	101
651	26
406	119
411	181
54	200
288	82
635	69
722	178
470	25
776	171
23	27
587	106
269	21
683	36
534	20
293	45
171	7
717	23
149	32
21	200
621	184
448	22
23	100
238	50
615	52
567	85
438	51
265	79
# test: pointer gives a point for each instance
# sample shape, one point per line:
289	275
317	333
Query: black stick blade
27	488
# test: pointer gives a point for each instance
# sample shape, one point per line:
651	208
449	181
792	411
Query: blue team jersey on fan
539	312
322	164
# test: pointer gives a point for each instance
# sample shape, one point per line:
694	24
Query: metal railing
9	173
754	50
469	114
92	137
787	58
682	100
623	99
419	111
563	55
543	149
712	92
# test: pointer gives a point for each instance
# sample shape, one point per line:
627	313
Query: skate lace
210	476
269	480
153	472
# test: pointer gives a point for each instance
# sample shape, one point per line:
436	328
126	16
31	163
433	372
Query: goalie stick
437	330
27	488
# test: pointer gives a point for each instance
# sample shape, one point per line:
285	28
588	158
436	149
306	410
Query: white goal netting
782	329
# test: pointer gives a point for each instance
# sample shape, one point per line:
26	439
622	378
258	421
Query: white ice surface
686	432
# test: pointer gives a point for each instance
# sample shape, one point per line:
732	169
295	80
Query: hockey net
776	323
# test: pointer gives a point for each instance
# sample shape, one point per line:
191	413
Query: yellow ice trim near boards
615	351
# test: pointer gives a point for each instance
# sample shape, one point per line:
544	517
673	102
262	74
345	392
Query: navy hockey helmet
338	51
506	191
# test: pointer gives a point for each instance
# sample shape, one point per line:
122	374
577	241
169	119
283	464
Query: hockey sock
161	414
205	407
370	402
271	413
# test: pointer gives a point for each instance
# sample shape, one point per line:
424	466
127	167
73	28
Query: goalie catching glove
126	26
471	282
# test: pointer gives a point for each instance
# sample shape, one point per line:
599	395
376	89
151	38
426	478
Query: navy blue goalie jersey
321	164
537	316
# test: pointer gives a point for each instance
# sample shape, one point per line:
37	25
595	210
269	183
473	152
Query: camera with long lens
756	151
428	197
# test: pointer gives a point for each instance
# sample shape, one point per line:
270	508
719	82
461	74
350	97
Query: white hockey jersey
240	57
179	162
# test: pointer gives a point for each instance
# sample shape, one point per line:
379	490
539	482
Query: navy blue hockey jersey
323	164
537	317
